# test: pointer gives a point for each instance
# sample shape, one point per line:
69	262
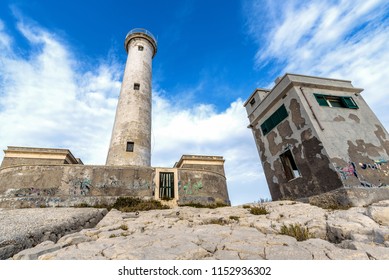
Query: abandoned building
317	138
54	177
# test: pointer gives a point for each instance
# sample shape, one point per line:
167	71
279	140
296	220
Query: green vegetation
215	221
124	227
246	206
112	235
211	206
128	204
259	210
133	204
235	218
297	231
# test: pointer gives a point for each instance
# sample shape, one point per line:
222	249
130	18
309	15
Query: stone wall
67	185
199	186
71	185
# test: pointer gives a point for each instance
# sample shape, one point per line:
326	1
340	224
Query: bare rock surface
227	233
25	228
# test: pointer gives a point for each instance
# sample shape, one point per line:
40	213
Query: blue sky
61	64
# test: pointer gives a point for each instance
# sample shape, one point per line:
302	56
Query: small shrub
112	235
246	206
215	221
261	210
134	204
211	206
297	231
82	205
235	218
124	227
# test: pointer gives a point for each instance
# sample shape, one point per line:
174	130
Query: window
290	167
276	118
336	101
130	147
252	101
140	48
136	86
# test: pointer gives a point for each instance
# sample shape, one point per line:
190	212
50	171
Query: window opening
252	101
140	48
336	101
130	147
166	185
276	118
136	86
290	167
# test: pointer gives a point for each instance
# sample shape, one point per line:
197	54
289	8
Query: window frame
130	145
289	164
324	100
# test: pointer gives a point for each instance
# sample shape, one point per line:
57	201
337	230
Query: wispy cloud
341	39
46	100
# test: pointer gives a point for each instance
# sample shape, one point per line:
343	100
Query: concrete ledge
351	196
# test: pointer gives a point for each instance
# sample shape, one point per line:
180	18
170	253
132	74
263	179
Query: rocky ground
227	233
24	228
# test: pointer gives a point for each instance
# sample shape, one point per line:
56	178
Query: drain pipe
310	107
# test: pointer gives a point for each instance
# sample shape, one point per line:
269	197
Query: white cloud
201	130
47	100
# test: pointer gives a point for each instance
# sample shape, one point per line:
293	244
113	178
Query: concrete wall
75	183
9	161
69	185
199	186
355	140
332	147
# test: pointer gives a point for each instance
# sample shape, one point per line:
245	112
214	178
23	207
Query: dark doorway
166	185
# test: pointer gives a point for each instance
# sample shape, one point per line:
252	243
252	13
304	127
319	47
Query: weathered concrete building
33	156
317	136
54	177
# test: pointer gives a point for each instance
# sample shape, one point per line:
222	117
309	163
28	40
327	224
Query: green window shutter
277	117
282	113
349	102
321	99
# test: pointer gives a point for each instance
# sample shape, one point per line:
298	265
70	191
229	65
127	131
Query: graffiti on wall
347	171
81	186
190	188
351	171
35	192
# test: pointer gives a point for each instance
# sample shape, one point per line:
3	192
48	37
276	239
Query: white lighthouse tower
131	134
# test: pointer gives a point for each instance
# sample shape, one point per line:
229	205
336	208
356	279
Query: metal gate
166	185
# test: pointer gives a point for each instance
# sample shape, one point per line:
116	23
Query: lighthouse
131	135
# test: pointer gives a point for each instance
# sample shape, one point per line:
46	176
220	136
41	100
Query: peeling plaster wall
333	148
298	134
355	140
